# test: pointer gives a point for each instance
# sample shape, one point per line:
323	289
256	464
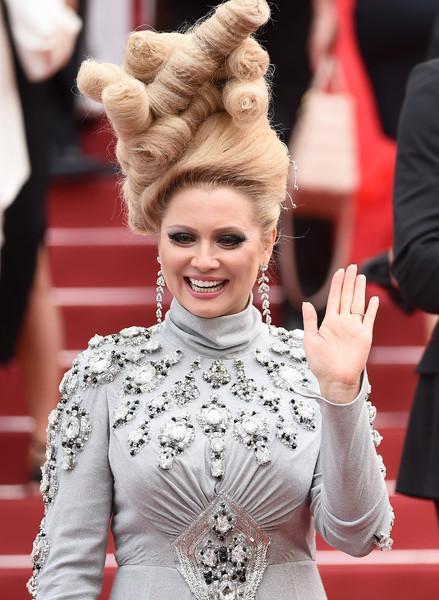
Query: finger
310	326
359	299
371	312
347	292
333	304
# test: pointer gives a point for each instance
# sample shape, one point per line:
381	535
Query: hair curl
192	109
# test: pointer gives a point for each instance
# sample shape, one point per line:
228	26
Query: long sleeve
70	548
416	204
349	498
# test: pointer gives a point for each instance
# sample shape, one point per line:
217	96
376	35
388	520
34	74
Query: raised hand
337	351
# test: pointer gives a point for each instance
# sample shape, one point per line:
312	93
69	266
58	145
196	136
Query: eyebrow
227	229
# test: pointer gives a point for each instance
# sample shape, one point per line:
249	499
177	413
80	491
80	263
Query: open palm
337	351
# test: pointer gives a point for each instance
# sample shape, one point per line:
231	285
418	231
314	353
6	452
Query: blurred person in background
39	39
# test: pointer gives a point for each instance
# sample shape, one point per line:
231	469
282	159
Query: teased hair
192	109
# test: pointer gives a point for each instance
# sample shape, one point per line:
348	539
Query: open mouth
202	286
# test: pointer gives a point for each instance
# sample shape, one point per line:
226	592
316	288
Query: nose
204	258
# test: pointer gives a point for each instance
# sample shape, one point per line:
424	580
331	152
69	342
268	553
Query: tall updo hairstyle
192	109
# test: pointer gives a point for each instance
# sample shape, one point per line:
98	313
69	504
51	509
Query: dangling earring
160	289
264	290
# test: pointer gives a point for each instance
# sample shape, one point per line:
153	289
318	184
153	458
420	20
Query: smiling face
211	247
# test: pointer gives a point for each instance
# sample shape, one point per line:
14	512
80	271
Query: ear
268	243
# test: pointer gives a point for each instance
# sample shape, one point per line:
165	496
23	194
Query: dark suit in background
416	267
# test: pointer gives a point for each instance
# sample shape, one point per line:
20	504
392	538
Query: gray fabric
331	481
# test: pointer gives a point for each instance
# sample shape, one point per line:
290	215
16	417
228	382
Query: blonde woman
215	442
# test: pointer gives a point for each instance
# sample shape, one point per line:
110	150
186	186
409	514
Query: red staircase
104	280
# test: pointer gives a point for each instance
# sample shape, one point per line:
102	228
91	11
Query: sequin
214	418
174	437
222	554
217	374
75	431
251	429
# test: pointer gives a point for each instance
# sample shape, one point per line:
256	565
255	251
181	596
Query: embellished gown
206	444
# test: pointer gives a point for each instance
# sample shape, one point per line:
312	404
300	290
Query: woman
208	438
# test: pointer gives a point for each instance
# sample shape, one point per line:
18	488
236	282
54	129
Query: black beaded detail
40	552
174	437
75	432
286	432
217	374
214	418
245	387
251	429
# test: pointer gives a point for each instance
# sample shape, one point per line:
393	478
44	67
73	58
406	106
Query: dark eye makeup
227	240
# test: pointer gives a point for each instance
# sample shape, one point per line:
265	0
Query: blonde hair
192	109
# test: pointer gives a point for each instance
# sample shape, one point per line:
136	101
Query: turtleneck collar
220	336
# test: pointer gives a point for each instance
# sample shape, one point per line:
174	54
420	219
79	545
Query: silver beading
160	289
264	291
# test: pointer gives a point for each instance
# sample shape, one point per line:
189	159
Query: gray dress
207	446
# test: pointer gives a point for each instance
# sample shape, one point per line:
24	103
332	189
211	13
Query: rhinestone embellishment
304	413
251	429
75	431
286	432
245	387
222	555
214	418
40	551
217	374
174	437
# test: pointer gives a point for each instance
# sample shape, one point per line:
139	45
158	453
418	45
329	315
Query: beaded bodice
214	435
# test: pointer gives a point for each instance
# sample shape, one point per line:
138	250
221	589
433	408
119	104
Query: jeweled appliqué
40	552
147	377
268	399
283	376
174	437
214	418
245	387
217	374
125	412
139	437
286	432
49	478
186	390
304	413
75	431
222	555
251	429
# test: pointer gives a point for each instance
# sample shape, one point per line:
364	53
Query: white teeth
207	287
205	284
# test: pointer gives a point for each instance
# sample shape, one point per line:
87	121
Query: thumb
310	327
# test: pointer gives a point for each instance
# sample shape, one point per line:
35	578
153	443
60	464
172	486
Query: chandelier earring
264	291
160	289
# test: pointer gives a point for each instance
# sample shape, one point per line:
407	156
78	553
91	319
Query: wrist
339	392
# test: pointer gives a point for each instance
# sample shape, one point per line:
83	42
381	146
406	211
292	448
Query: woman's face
211	248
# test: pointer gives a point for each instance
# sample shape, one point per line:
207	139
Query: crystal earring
264	290
160	289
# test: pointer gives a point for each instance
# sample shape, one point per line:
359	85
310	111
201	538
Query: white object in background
44	34
108	23
14	161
